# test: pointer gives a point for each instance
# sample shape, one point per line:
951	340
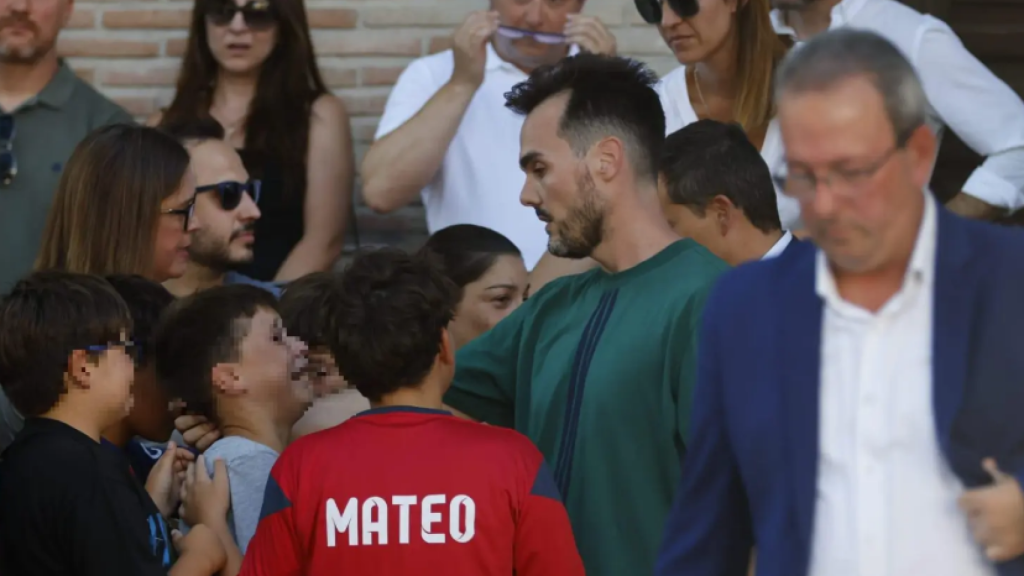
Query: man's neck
257	426
20	82
634	231
195	279
812	20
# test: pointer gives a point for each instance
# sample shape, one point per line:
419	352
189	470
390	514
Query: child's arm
206	500
201	552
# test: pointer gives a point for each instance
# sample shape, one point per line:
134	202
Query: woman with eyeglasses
729	52
249	64
124	205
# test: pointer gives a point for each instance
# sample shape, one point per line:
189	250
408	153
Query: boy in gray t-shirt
226	350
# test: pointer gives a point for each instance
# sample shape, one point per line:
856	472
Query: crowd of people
709	324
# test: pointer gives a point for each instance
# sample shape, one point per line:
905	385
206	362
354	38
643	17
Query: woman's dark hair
106	210
277	124
466	251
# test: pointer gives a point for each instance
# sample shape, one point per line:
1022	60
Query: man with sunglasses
45	110
226	201
445	134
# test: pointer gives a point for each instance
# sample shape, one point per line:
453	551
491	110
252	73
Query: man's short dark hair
200	331
390	310
608	96
45	317
194	130
709	158
146	302
307	309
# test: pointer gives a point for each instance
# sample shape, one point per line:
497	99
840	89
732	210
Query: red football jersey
403	491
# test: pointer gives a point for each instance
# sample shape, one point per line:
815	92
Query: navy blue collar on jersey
405	409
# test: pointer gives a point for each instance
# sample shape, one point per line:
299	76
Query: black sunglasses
257	14
651	10
8	164
185	213
230	193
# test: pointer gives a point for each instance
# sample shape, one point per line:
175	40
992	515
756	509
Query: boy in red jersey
406	488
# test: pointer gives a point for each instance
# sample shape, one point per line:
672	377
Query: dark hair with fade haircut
46	317
709	158
466	251
308	310
146	302
608	96
193	129
200	331
390	310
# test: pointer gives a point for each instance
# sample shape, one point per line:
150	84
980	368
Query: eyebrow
528	159
508	286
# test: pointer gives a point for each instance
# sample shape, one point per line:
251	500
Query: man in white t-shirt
445	132
964	94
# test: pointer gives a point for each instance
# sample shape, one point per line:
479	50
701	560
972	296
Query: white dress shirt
964	94
480	180
886	502
779	247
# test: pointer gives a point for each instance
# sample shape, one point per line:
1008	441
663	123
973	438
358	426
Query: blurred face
559	185
241	33
489	299
227	235
697	39
170	255
856	188
105	373
152	415
704	230
537	15
270	363
29	28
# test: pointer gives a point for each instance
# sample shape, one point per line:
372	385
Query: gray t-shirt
249	465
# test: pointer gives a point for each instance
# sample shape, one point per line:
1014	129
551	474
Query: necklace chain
700	94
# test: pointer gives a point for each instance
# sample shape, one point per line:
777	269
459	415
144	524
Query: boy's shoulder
236	448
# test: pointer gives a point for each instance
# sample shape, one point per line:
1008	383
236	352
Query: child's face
270	362
112	377
152	416
322	373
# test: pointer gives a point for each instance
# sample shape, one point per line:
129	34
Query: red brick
336	77
440	15
137	105
333	18
82	19
376	76
147	19
365	104
368	44
176	47
164	76
107	48
87	74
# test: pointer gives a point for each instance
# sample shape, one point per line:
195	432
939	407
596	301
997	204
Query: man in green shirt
45	110
598	368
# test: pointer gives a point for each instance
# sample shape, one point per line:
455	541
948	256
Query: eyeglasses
186	212
844	182
8	164
541	37
130	349
257	14
651	10
230	193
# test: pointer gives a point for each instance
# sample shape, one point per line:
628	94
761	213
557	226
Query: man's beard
216	255
582	230
25	54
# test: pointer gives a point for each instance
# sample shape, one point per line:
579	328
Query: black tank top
280	225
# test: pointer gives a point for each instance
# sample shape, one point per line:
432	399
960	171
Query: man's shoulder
99	109
894	20
753	282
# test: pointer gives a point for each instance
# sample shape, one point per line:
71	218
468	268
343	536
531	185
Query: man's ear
80	369
447	352
922	146
227	379
607	159
721	210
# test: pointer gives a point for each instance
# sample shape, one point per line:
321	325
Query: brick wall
130	50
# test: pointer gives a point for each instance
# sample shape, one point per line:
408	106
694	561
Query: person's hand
205	499
996	514
166	478
469	45
202	546
590	34
197	431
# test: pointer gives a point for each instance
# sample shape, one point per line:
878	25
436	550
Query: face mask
651	10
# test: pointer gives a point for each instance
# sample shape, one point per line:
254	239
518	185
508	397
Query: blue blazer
749	476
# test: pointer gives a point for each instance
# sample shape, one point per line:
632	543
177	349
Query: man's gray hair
833	57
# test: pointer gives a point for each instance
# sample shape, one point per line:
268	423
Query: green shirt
47	129
598	370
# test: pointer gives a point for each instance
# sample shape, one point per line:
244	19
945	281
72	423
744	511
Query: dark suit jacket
749	477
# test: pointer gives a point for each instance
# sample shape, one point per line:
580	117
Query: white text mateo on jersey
369	520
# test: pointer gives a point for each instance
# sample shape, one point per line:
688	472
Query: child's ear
80	369
227	378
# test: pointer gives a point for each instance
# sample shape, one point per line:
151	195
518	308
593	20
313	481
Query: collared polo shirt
480	180
47	129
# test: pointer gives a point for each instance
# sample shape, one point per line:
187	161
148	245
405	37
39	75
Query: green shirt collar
58	91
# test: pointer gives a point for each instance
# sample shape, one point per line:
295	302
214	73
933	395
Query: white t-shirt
480	180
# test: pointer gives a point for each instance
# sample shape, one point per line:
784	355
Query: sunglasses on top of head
651	10
230	193
258	14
